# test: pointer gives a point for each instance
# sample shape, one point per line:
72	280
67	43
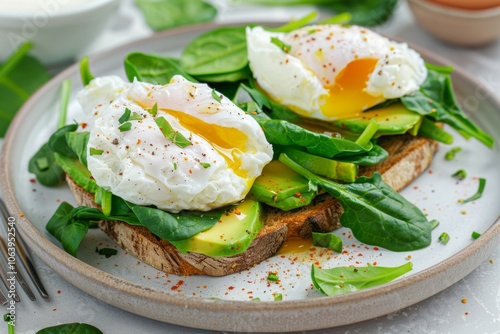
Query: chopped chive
475	235
175	166
367	133
168	131
154	111
216	97
125	126
205	164
285	47
65	93
342	18
434	223
278	297
272	277
95	151
135	117
108	252
459	174
125	117
444	238
42	163
257	299
106	201
479	193
450	155
311	31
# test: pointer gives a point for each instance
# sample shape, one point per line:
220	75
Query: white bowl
60	30
461	27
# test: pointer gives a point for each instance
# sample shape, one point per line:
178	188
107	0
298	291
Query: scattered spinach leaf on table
20	76
166	14
73	328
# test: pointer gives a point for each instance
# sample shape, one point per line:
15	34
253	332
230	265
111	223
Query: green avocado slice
230	236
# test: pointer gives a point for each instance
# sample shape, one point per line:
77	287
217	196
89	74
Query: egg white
303	76
145	168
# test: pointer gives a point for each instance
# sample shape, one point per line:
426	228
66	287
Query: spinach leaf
239	75
327	240
43	164
374	156
376	213
219	51
58	143
20	76
281	132
73	328
339	280
436	100
154	69
178	226
59	221
166	14
77	142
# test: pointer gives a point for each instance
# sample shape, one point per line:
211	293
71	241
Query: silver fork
22	254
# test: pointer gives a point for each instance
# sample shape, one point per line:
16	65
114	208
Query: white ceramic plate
223	303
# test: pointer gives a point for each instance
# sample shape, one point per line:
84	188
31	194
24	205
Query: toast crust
408	157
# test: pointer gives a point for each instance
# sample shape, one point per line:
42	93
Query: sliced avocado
281	187
393	119
232	235
335	170
77	171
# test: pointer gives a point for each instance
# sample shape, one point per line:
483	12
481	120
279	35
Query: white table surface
442	313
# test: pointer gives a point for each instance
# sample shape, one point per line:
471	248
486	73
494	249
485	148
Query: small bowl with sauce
459	22
59	29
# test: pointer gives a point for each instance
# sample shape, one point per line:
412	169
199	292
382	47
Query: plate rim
48	252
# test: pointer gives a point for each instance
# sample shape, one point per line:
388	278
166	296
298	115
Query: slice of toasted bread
408	157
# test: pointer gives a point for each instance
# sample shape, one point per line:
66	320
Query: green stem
295	24
341	18
13	60
65	92
368	133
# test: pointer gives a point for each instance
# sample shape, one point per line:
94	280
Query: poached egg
331	72
183	146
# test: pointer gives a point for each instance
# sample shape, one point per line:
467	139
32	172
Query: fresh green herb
154	110
166	14
10	323
367	133
219	51
434	223
175	166
479	193
450	155
256	299
104	198
273	277
340	280
135	117
73	328
375	212
42	163
108	252
327	240
205	164
85	73
459	174
278	297
125	117
168	131
95	151
436	100
475	235
285	47
154	69
444	238
125	127
216	97
20	76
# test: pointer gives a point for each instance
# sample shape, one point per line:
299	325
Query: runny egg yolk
347	96
228	142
